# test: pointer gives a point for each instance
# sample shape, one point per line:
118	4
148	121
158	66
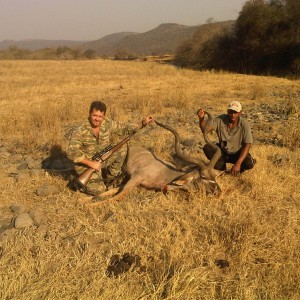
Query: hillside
108	44
164	39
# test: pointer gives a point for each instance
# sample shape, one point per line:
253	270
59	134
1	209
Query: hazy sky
92	19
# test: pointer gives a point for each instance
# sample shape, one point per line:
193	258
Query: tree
89	54
293	15
124	54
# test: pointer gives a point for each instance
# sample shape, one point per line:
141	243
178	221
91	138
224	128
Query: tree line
265	39
63	53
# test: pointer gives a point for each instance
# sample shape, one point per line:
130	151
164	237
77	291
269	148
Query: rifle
82	180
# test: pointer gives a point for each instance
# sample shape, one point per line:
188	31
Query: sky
84	20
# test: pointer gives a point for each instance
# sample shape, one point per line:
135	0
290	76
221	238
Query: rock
42	230
16	157
37	216
7	235
189	142
23	220
22	166
18	208
10	169
28	158
37	172
222	263
46	190
23	176
34	164
4	223
4	155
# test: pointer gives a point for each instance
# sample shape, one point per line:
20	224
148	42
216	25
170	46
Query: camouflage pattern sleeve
74	149
84	144
122	129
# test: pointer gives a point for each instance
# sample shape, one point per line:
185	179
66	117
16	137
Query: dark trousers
247	164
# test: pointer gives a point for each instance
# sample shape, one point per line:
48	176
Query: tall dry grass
241	245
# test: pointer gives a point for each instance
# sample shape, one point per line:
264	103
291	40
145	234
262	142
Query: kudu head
206	172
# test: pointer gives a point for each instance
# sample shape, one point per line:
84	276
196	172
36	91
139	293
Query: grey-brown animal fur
148	171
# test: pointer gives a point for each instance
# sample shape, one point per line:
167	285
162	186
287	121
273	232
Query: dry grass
182	239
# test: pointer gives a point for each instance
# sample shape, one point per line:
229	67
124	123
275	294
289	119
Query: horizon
91	20
42	39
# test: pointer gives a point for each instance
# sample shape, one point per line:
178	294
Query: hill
164	39
108	44
161	40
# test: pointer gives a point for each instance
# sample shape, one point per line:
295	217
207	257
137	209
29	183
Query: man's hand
146	121
236	168
201	113
94	164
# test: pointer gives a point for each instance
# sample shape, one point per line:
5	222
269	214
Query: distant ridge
164	39
36	44
160	40
108	44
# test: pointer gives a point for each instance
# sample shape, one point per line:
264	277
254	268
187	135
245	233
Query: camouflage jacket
84	144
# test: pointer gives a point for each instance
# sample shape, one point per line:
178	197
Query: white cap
235	105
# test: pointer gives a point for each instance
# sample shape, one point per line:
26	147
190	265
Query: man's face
96	118
233	115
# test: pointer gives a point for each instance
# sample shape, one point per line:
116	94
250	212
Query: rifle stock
82	180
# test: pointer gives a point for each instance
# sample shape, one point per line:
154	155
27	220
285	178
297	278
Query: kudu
146	170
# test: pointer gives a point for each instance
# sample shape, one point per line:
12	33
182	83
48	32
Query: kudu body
146	170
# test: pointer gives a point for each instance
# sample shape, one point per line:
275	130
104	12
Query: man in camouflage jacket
91	137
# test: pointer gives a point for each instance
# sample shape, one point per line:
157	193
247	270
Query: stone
189	142
4	223
34	164
46	190
16	157
23	176
4	155
23	220
18	208
42	230
10	169
37	216
7	235
37	172
28	158
22	166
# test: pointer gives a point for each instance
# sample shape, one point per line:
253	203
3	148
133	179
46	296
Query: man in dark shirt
235	139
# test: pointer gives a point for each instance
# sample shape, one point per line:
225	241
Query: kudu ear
187	178
217	173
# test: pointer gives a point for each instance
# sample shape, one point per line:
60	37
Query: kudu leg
128	187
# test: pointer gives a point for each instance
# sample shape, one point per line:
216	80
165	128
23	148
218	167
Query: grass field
243	244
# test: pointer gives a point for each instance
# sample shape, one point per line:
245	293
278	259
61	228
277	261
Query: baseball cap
235	105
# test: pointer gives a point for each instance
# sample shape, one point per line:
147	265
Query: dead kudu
146	170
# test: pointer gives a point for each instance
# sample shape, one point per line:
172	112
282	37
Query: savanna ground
243	244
